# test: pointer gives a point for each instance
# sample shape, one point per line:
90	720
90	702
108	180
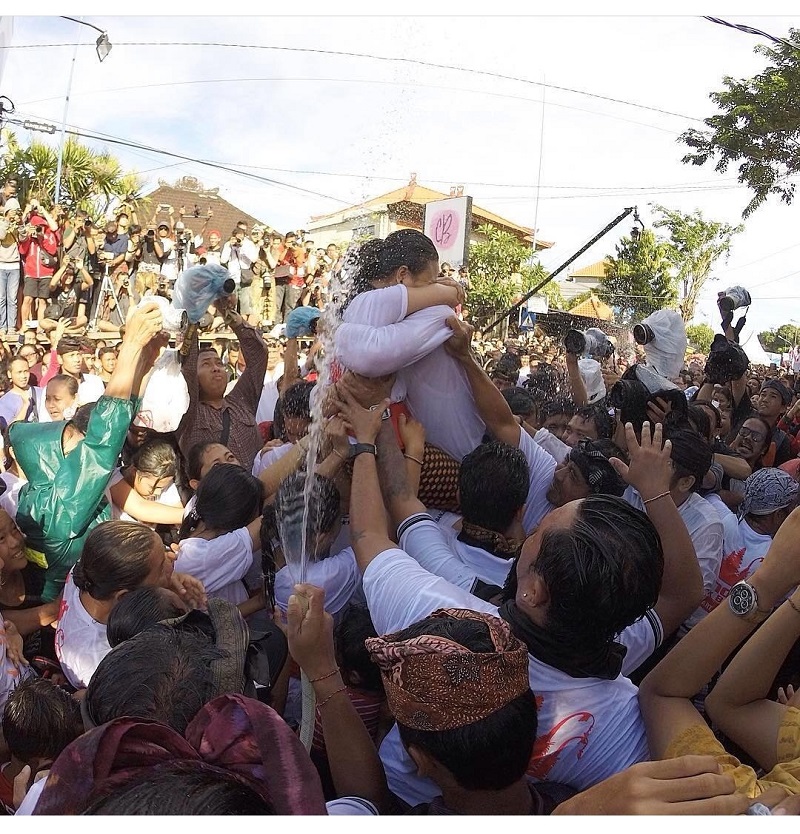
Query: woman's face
149	487
19	373
12	545
58	401
214	454
750	441
162	565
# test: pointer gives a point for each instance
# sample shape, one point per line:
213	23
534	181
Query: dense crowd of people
395	569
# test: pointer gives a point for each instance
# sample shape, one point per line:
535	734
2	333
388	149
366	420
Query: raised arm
491	404
665	693
356	768
739	704
649	472
579	395
254	348
369	533
148	512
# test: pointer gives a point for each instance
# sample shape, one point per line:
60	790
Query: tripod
105	289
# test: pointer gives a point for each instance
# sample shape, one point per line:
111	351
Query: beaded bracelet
656	497
323	677
321	704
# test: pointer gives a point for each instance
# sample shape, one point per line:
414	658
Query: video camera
726	361
590	342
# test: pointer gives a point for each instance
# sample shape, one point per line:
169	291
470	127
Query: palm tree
91	180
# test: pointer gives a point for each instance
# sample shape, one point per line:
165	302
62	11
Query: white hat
11	204
592	375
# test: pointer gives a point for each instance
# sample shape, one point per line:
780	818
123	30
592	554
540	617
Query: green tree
638	278
780	339
493	265
694	246
91	180
758	127
700	337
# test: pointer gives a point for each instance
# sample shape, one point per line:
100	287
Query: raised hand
650	468
458	345
144	323
412	433
363	423
309	631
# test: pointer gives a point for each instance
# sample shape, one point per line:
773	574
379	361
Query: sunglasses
756	436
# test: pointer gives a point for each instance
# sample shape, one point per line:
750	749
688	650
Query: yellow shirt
700	740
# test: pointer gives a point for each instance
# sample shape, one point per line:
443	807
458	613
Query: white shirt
589	728
483	565
266	405
705	530
265	459
542	466
239	258
338	575
220	564
81	641
9	500
375	339
737	564
90	389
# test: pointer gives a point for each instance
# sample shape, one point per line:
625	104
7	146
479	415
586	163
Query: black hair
139	610
560	405
691	455
228	499
104	350
296	400
65	379
490	754
349	635
194	460
115	557
376	260
81	417
69	344
507	367
604	423
157	458
521	402
493	484
162	673
699	420
602	573
40	719
181	789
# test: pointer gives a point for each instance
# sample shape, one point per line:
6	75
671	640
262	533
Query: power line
383	58
750	30
99	137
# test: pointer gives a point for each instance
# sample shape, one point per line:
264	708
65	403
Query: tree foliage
638	278
492	264
693	247
700	337
758	128
91	180
780	339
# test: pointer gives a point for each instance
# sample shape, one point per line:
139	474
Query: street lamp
103	46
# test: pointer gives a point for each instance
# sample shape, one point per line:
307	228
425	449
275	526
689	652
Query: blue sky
381	120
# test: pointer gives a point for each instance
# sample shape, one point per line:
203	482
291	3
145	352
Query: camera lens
643	334
575	342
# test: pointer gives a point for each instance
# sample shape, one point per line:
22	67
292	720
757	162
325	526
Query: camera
592	342
630	397
726	361
732	299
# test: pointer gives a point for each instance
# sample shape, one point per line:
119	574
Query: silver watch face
742	599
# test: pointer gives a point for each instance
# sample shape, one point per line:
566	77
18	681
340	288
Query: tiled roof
420	194
595	270
593	308
190	193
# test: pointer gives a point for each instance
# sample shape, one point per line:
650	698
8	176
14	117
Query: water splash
294	533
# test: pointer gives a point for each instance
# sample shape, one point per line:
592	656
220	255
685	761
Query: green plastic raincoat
63	499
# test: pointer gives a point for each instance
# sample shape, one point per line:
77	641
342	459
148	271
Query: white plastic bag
166	398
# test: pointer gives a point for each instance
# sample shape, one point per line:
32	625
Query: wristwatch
743	602
385	415
358	448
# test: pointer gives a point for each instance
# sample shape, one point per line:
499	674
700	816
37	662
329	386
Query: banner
447	224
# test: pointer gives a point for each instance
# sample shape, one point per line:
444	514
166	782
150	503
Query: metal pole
563	266
64	124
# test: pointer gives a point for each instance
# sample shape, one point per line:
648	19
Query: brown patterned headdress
433	683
